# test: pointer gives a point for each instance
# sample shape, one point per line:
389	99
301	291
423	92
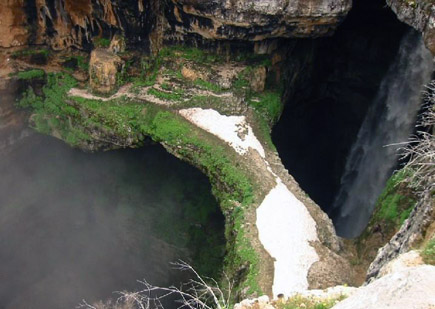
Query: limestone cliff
72	23
419	14
67	23
257	20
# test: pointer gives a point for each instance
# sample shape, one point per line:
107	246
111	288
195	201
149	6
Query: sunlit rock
103	69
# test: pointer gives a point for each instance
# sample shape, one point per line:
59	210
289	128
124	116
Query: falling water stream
390	120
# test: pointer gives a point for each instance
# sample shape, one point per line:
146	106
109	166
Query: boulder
189	73
409	288
258	79
117	45
103	69
408	259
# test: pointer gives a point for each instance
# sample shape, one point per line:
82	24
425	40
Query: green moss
51	114
31	74
149	71
268	104
82	61
242	81
263	131
240	252
428	252
395	203
101	42
175	95
207	85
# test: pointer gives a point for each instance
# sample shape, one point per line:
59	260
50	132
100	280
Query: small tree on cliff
420	150
197	293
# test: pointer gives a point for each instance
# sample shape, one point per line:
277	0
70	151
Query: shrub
428	252
31	74
299	301
396	201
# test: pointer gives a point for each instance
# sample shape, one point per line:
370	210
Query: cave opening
339	79
79	226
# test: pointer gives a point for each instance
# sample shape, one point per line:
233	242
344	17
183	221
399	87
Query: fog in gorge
79	226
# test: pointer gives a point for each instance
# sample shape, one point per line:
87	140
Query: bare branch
198	294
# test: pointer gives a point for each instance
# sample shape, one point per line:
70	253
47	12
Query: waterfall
390	120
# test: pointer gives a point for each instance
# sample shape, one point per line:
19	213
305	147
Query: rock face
419	14
257	20
258	79
13	23
73	23
412	230
103	69
408	259
117	45
410	288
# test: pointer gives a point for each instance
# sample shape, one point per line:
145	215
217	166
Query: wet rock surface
65	23
257	20
411	232
419	14
103	69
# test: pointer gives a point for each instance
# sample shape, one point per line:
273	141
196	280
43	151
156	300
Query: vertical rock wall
73	23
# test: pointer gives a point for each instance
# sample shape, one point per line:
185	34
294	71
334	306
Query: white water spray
390	120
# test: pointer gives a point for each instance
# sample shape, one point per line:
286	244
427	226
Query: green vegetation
230	184
262	130
268	104
124	122
149	69
240	252
175	95
52	115
101	42
207	85
31	74
299	301
30	52
82	61
428	252
395	203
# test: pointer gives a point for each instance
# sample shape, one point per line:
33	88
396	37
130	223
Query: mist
79	226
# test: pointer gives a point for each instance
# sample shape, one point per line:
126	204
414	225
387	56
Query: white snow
285	228
284	224
232	129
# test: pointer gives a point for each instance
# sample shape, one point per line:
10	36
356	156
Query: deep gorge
282	110
81	226
324	113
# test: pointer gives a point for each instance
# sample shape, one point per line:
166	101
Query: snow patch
232	129
285	229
